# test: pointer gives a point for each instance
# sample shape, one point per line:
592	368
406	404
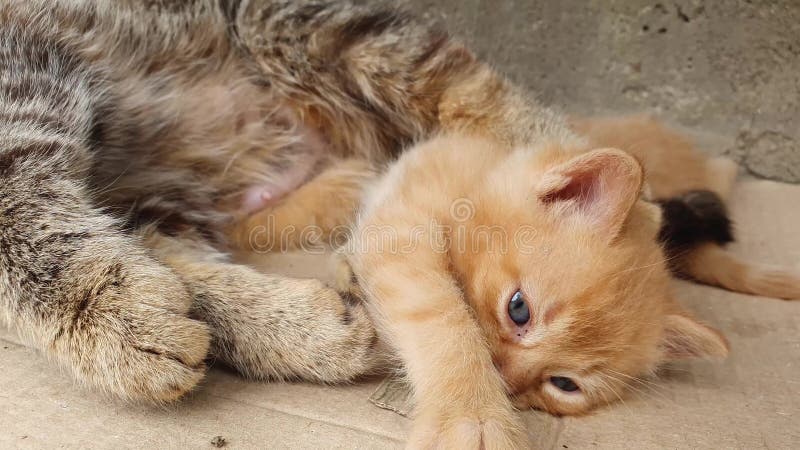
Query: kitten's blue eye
518	309
564	383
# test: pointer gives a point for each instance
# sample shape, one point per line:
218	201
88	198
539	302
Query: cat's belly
266	194
222	146
260	147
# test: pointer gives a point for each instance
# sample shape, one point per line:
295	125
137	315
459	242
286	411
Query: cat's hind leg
318	213
695	230
721	174
271	326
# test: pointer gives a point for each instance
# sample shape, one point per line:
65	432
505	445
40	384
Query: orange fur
712	265
596	281
673	167
672	164
593	277
317	213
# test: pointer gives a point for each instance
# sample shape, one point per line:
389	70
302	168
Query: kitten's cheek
517	384
505	367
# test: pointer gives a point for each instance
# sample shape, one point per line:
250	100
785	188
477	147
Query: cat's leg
318	213
374	78
82	291
461	401
721	175
271	326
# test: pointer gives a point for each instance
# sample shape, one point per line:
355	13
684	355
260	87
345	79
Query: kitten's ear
598	187
685	337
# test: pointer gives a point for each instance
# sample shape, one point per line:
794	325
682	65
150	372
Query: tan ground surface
750	401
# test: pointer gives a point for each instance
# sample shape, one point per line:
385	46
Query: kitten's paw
487	429
136	343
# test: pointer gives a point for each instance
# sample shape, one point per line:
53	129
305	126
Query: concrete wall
726	68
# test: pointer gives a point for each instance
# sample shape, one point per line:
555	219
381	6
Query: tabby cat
134	133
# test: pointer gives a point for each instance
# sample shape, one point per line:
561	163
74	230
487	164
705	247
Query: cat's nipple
258	197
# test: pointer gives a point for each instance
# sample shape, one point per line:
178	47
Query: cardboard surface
750	401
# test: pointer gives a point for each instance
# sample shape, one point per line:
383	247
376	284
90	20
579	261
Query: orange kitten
463	238
532	271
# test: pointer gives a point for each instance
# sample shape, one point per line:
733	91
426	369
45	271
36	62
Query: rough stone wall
725	68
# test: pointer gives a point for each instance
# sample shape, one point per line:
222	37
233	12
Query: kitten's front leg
460	396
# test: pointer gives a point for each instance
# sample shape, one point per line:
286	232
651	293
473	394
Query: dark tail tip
693	218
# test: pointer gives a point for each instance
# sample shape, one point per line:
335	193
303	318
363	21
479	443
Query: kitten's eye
564	383
518	309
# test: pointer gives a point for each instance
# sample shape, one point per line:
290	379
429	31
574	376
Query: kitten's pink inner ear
600	187
684	338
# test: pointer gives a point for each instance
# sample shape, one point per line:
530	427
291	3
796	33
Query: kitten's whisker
659	398
639	380
658	395
614	391
107	188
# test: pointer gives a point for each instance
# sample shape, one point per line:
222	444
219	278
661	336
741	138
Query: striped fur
129	133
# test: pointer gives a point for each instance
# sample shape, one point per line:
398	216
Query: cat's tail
695	228
711	264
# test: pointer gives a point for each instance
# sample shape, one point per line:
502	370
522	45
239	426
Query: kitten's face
576	306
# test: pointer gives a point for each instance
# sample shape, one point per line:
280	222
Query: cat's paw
344	280
348	344
285	328
164	357
498	428
135	341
